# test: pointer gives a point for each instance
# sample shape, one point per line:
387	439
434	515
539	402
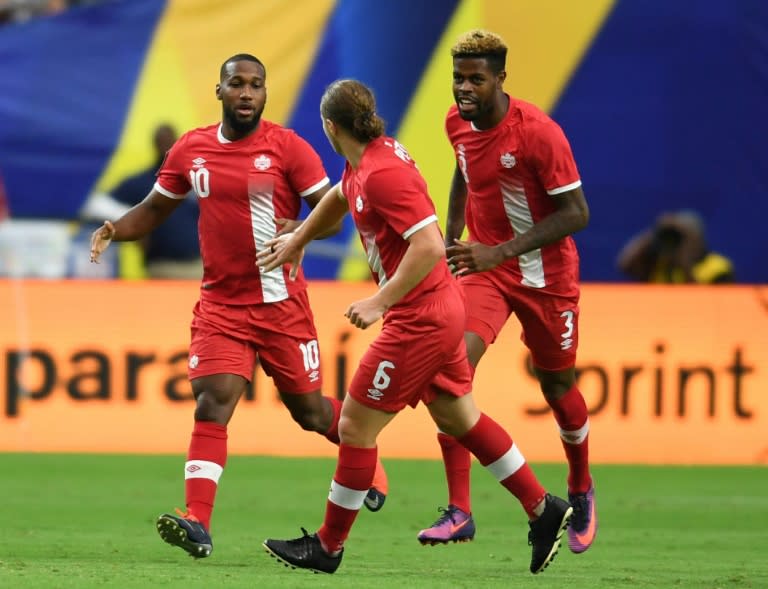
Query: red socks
458	462
353	477
206	459
495	450
570	412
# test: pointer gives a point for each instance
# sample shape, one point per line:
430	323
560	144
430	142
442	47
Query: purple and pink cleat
583	528
454	525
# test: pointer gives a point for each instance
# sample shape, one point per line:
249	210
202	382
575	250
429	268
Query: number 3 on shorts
567	341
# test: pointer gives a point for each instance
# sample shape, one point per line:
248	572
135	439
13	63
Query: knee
354	433
217	407
555	385
309	419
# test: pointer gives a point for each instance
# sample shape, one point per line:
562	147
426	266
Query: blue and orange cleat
186	532
377	494
583	528
454	525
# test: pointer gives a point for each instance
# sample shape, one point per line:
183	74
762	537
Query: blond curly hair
480	43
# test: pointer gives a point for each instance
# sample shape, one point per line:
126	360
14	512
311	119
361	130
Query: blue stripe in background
406	33
61	78
672	115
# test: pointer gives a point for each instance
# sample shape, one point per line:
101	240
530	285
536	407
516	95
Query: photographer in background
674	251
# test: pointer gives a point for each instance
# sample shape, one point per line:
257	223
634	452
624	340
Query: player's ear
218	91
502	75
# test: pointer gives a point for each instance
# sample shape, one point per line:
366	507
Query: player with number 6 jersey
250	176
419	355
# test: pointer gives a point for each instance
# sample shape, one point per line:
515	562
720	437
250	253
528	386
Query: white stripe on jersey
345	497
315	187
521	220
374	257
202	469
168	193
273	287
419	225
566	188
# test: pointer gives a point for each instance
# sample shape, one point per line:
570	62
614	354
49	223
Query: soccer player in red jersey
517	189
420	353
249	175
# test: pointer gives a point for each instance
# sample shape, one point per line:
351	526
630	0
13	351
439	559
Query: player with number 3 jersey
517	190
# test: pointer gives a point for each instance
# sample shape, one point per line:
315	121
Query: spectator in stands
173	252
22	10
675	251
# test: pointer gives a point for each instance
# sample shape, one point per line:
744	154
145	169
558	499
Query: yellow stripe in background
422	128
178	80
547	40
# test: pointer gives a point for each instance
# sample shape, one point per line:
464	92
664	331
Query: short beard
242	127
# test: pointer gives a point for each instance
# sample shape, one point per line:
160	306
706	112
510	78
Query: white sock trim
575	437
202	469
345	497
508	464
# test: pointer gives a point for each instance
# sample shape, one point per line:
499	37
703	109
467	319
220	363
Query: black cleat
304	553
547	532
377	494
374	499
185	532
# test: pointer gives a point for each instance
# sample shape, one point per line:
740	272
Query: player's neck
500	109
353	151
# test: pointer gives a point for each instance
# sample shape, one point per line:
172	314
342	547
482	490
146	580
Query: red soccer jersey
511	172
242	186
389	202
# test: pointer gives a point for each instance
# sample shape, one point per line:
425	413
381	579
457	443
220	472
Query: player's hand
366	312
283	249
469	257
100	240
286	225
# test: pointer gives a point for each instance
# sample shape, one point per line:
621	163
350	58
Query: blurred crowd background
664	104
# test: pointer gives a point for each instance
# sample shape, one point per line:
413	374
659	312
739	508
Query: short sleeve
306	173
552	158
172	179
400	196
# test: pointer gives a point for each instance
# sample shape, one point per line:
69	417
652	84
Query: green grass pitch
83	521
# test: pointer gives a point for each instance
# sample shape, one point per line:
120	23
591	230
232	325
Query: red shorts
419	354
549	316
227	338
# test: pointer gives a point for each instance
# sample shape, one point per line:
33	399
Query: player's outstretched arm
289	249
136	223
